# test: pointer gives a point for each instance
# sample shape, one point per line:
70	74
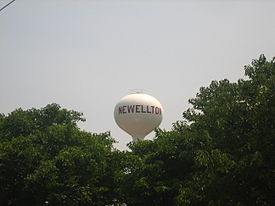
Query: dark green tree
222	153
239	118
46	159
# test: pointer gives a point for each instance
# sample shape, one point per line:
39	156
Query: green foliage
45	157
222	153
20	122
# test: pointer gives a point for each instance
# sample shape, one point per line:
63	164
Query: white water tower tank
138	114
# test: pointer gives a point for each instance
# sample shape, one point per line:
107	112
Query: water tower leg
135	139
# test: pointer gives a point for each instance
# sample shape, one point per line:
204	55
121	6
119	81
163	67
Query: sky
87	54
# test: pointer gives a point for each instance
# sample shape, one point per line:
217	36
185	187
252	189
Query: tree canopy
46	158
222	153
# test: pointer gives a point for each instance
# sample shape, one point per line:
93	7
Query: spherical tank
138	114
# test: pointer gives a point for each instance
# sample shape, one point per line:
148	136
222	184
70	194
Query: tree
239	117
220	154
46	158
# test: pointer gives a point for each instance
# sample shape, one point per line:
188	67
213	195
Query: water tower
138	114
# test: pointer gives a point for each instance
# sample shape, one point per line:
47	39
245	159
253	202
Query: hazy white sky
85	54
